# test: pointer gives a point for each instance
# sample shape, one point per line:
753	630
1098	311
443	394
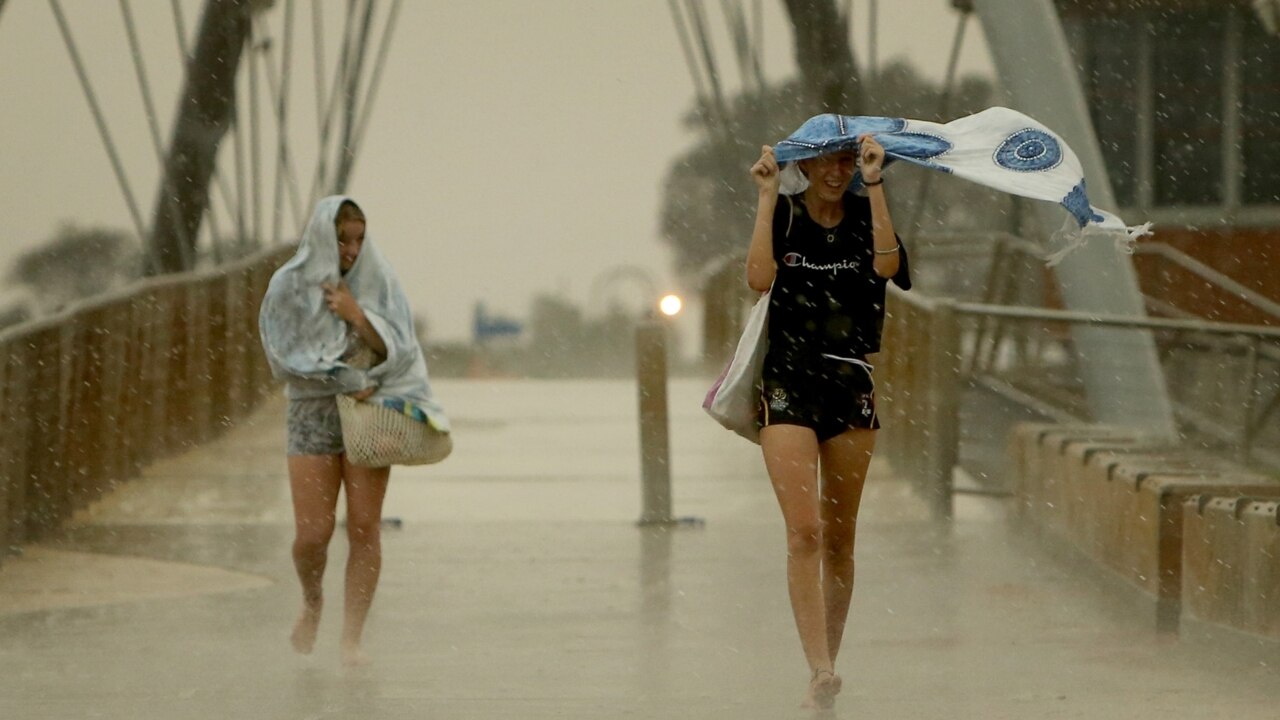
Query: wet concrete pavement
518	586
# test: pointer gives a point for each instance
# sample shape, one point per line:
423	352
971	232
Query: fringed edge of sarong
1072	237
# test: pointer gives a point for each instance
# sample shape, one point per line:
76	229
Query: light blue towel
305	342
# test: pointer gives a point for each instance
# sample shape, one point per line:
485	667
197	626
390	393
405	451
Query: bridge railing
91	395
937	350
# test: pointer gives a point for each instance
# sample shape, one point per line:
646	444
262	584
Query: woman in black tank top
827	256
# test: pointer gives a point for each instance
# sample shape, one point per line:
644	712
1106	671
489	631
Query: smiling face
829	175
349	225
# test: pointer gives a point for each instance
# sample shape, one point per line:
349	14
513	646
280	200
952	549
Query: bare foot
822	691
353	656
304	630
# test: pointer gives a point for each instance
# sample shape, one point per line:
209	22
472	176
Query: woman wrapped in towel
335	321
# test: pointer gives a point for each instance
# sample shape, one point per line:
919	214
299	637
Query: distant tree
77	263
708	197
901	91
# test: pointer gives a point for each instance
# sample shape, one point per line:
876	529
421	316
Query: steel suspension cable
153	123
181	26
709	60
375	80
219	182
737	23
944	107
255	140
873	33
953	64
756	45
237	147
350	97
686	45
278	82
101	123
732	21
320	178
317	56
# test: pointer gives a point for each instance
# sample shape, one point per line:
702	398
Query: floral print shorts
314	427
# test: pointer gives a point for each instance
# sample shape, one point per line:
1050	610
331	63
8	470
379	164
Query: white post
1122	373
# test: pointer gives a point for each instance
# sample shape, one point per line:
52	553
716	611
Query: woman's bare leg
314	481
366	489
844	473
791	457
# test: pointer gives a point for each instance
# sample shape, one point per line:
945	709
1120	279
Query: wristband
869	183
891	251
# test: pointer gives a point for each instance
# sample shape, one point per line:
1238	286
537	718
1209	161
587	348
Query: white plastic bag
734	399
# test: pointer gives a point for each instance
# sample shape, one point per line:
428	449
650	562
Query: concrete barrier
1148	513
1261	518
1213	573
1129	510
1040	489
1024	459
1231	562
1118	497
1087	470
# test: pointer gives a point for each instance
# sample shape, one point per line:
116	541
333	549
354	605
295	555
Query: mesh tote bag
378	436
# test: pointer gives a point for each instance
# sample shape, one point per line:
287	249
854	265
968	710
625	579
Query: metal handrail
924	372
1209	274
1009	241
139	287
1181	259
927	303
1121	321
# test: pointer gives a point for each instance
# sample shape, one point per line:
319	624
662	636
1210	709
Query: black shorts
841	398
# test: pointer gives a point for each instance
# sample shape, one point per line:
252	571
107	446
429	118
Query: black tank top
827	299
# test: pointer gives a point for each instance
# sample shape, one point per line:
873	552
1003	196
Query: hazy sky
516	146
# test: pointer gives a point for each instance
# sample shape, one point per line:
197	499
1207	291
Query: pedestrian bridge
144	494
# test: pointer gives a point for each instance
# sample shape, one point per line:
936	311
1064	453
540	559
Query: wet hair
348	210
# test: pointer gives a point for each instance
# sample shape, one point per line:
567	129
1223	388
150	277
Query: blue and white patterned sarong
998	147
